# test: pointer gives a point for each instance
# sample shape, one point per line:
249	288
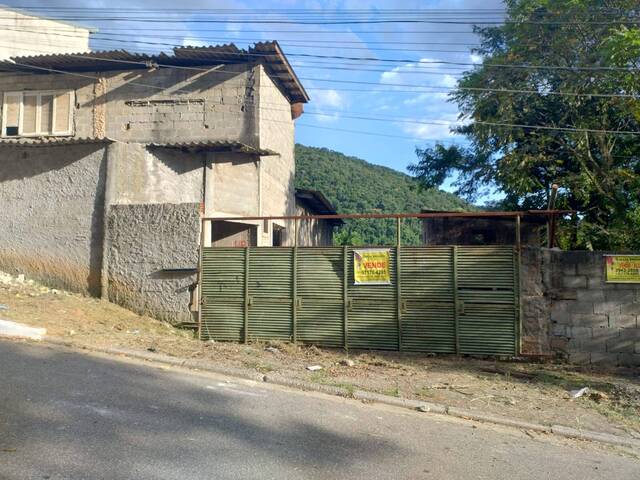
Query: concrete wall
144	240
23	34
51	213
569	310
146	175
276	132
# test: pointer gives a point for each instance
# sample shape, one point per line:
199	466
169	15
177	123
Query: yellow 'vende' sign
622	268
371	266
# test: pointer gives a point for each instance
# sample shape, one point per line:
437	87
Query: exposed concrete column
208	195
112	151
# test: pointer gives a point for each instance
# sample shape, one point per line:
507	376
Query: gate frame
207	223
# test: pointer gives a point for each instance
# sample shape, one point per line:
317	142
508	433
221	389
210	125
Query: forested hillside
356	186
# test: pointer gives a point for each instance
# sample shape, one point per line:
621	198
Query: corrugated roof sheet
216	146
51	141
268	53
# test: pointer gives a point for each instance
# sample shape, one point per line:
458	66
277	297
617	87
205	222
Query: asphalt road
69	415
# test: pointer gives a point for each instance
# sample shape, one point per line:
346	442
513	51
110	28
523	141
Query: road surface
70	415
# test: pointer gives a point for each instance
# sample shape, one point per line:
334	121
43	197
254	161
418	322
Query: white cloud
326	101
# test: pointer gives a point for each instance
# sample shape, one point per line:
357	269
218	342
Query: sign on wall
622	268
371	266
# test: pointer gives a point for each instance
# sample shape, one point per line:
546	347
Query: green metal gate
444	299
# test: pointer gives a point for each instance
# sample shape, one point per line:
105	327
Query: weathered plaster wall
51	213
568	309
142	241
276	130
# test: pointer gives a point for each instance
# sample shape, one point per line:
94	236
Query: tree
574	55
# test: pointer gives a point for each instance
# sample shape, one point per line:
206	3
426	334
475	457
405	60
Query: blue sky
334	98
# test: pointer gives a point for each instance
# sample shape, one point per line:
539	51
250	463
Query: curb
415	405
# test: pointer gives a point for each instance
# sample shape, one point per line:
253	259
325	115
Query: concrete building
108	168
24	34
315	233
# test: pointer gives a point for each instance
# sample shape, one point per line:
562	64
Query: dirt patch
533	392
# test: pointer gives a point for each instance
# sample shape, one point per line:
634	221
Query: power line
422	88
412	61
264	21
399	119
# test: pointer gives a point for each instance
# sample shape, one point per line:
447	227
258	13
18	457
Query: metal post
200	297
456	307
294	296
345	299
246	295
516	301
516	295
295	232
398	231
399	296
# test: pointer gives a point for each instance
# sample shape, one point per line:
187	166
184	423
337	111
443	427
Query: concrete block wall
163	105
578	314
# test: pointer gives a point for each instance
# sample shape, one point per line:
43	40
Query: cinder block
559	330
622	321
559	344
630	308
619	296
590	320
579	332
601	358
579	358
591	269
590	295
621	345
597	344
574	281
565	294
606	307
629	359
606	332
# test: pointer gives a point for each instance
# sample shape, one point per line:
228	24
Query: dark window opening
278	236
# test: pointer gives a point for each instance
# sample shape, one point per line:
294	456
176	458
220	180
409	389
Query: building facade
24	34
110	159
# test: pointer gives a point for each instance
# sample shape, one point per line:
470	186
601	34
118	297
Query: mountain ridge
354	185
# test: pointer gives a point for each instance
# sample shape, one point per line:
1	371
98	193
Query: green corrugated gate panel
487	296
320	299
372	313
223	294
427	299
488	289
270	293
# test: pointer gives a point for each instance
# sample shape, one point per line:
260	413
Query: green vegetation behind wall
356	186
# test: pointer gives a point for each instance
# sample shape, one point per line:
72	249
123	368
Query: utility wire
412	61
421	87
398	119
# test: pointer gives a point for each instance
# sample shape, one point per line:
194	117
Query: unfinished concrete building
110	159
